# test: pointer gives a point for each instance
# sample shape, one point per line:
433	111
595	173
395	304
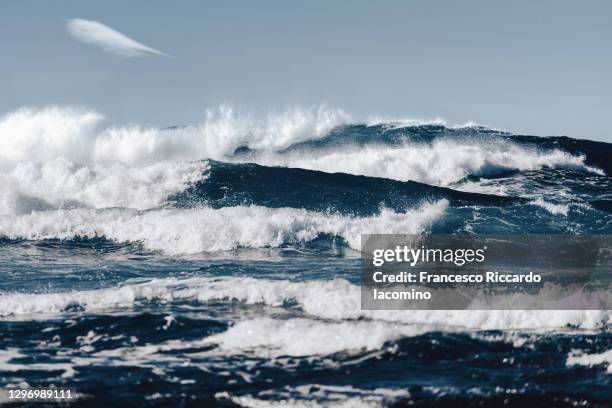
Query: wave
441	163
578	357
229	184
596	154
333	300
325	396
555	209
190	231
316	138
296	316
302	336
64	184
76	134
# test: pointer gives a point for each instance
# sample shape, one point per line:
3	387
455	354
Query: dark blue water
239	285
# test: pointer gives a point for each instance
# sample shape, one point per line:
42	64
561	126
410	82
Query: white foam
76	134
336	300
63	157
400	123
8	354
554	209
318	395
578	357
40	135
190	231
61	183
271	132
341	300
332	322
405	122
442	162
269	337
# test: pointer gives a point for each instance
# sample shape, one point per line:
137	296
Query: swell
229	184
596	154
443	162
392	134
324	300
62	184
190	231
78	134
314	138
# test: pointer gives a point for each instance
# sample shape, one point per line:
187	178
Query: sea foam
331	299
579	357
442	162
189	231
62	183
78	135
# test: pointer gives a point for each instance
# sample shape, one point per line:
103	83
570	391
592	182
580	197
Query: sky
529	67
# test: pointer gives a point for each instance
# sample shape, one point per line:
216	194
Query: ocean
219	264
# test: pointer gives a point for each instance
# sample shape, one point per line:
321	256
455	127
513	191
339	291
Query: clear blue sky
540	67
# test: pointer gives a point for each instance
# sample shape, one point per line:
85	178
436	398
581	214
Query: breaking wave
61	184
332	300
77	134
443	162
316	138
190	231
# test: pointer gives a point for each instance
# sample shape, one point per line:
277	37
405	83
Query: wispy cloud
98	34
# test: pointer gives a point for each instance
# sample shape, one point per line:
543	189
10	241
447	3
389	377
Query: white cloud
96	33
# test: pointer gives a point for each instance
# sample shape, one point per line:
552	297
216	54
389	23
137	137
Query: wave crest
443	162
190	231
334	300
61	183
30	134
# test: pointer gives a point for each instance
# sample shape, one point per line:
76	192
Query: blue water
233	279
